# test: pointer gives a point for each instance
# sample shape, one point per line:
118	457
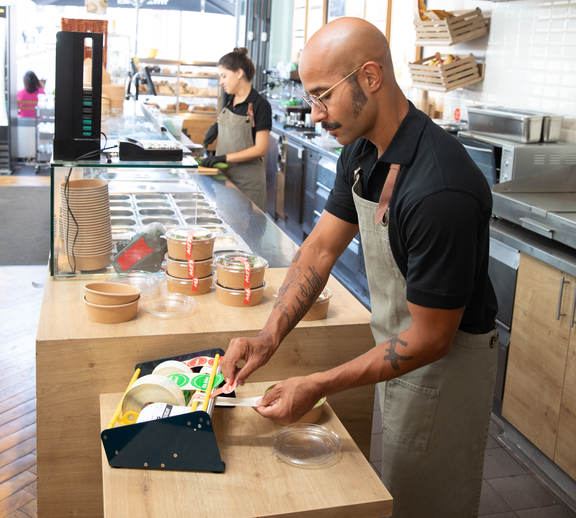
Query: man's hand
211	160
256	351
290	400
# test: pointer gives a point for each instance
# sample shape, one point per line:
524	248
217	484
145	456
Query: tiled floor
510	489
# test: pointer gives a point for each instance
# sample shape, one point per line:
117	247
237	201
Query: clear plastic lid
147	282
181	233
169	259
307	445
237	291
180	280
235	261
169	305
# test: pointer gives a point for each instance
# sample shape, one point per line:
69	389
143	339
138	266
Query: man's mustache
331	126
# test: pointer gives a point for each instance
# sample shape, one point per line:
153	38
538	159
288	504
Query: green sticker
181	379
201	382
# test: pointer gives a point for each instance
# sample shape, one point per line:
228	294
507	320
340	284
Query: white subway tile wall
530	59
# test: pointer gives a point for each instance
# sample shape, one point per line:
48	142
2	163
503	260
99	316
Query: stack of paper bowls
86	226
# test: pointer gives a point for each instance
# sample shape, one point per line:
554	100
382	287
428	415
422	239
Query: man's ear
373	73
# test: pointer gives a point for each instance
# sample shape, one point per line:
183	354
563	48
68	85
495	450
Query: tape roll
172	367
152	389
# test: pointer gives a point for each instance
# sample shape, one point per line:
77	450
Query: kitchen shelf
464	26
445	78
180	75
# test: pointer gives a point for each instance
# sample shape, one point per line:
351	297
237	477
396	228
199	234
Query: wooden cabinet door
565	455
538	349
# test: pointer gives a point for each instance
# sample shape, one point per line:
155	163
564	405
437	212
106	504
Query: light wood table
255	483
77	360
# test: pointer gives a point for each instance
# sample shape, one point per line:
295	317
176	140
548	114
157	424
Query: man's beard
359	100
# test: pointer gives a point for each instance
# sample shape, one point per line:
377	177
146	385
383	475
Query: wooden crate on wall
463	26
446	77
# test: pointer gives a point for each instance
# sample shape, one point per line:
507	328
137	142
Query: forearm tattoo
309	291
393	357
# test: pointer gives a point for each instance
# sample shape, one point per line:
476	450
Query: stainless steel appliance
503	160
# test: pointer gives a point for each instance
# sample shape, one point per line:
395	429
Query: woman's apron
235	134
434	419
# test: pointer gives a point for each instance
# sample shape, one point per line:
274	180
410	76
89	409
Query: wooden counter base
255	482
77	360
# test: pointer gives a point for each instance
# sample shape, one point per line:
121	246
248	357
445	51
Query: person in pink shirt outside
28	96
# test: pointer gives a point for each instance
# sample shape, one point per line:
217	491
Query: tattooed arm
306	278
427	340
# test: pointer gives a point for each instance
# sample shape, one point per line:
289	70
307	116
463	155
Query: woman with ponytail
243	128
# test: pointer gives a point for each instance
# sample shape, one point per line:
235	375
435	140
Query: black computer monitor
149	82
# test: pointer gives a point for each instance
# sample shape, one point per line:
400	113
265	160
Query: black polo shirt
439	216
261	107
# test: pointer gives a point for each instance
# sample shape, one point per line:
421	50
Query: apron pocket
409	412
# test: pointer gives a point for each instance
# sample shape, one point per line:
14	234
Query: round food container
110	293
189	286
319	309
239	298
240	270
111	314
192	242
189	269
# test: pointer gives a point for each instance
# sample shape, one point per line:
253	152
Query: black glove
211	160
211	135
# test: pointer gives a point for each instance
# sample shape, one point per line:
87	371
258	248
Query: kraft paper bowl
110	293
191	287
111	314
231	273
202	243
237	298
180	269
319	309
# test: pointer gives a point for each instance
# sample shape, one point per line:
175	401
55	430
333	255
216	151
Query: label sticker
457	114
197	382
247	296
189	239
195	283
191	269
199	361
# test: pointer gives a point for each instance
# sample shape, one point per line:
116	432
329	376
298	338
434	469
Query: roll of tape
152	389
172	367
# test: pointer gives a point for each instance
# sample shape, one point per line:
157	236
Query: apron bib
434	419
235	134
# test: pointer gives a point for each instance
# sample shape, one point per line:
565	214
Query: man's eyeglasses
317	101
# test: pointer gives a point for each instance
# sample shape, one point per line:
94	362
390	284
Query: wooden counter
78	360
255	483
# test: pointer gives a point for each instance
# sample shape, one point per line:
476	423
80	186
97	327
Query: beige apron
435	419
235	134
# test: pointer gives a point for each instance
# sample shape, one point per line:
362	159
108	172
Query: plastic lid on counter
235	261
147	282
169	305
307	445
181	233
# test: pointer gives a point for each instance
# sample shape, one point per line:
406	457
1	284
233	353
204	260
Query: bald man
423	209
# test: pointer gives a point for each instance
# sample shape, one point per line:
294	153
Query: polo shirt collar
250	99
403	145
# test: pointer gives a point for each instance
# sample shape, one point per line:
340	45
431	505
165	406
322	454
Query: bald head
344	44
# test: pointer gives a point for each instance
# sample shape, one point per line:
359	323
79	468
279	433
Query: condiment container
192	242
190	287
239	298
111	314
319	309
189	269
110	293
240	270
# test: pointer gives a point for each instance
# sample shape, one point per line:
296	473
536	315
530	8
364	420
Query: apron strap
387	194
250	113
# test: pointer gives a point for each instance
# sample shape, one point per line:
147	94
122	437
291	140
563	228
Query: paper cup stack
86	210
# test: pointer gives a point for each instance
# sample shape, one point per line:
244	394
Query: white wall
530	56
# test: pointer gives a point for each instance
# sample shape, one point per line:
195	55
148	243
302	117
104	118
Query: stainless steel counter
257	230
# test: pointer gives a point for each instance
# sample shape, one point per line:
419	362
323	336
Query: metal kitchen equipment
516	125
544	203
503	160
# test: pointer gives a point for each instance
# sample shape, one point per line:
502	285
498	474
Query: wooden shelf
465	26
445	78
